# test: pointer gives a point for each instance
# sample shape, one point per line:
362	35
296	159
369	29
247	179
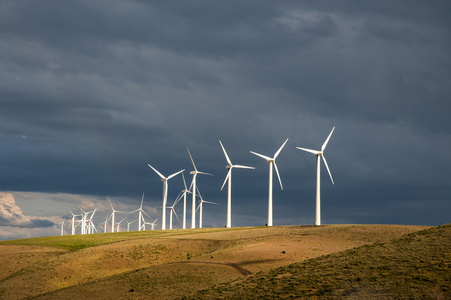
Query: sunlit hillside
257	262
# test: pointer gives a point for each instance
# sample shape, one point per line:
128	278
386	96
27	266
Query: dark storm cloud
91	92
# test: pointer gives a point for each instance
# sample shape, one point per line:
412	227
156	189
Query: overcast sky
93	91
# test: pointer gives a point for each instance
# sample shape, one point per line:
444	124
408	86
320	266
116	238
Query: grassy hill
259	262
417	266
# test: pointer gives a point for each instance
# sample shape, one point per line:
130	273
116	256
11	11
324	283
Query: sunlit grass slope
417	266
82	241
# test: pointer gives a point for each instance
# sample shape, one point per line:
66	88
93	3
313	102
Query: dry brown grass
174	265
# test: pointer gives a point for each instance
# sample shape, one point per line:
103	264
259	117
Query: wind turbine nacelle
192	172
228	167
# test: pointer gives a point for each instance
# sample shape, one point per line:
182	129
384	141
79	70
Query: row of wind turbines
272	165
86	225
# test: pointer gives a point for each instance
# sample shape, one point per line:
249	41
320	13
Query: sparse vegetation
417	266
335	261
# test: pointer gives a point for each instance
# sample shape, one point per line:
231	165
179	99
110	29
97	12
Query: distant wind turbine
228	178
193	186
152	224
165	193
271	161
62	226
73	221
184	192
112	214
140	212
128	224
200	207
319	154
173	211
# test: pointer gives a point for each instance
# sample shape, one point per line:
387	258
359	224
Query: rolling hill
353	261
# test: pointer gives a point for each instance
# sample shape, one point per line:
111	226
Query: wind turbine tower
271	161
112	215
193	185
165	193
200	208
318	155
228	178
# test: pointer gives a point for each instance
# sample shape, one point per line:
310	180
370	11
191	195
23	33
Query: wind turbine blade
146	214
210	202
179	197
327	140
277	172
176	215
191	159
327	167
184	182
261	155
280	149
315	152
205	173
142	200
110	203
227	177
225	153
159	174
175	174
243	167
192	182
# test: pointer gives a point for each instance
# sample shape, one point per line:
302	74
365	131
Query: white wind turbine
91	227
112	214
228	178
271	161
184	192
200	207
165	193
140	214
128	224
62	226
84	216
73	221
105	223
173	211
193	186
152	224
119	224
319	154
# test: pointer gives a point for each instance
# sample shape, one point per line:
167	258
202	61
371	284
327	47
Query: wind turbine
319	154
119	224
62	226
271	161
165	193
91	224
105	223
184	192
140	214
193	185
128	224
112	214
200	206
84	216
73	221
228	178
152	224
173	211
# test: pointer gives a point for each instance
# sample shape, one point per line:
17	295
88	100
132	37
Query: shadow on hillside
236	266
